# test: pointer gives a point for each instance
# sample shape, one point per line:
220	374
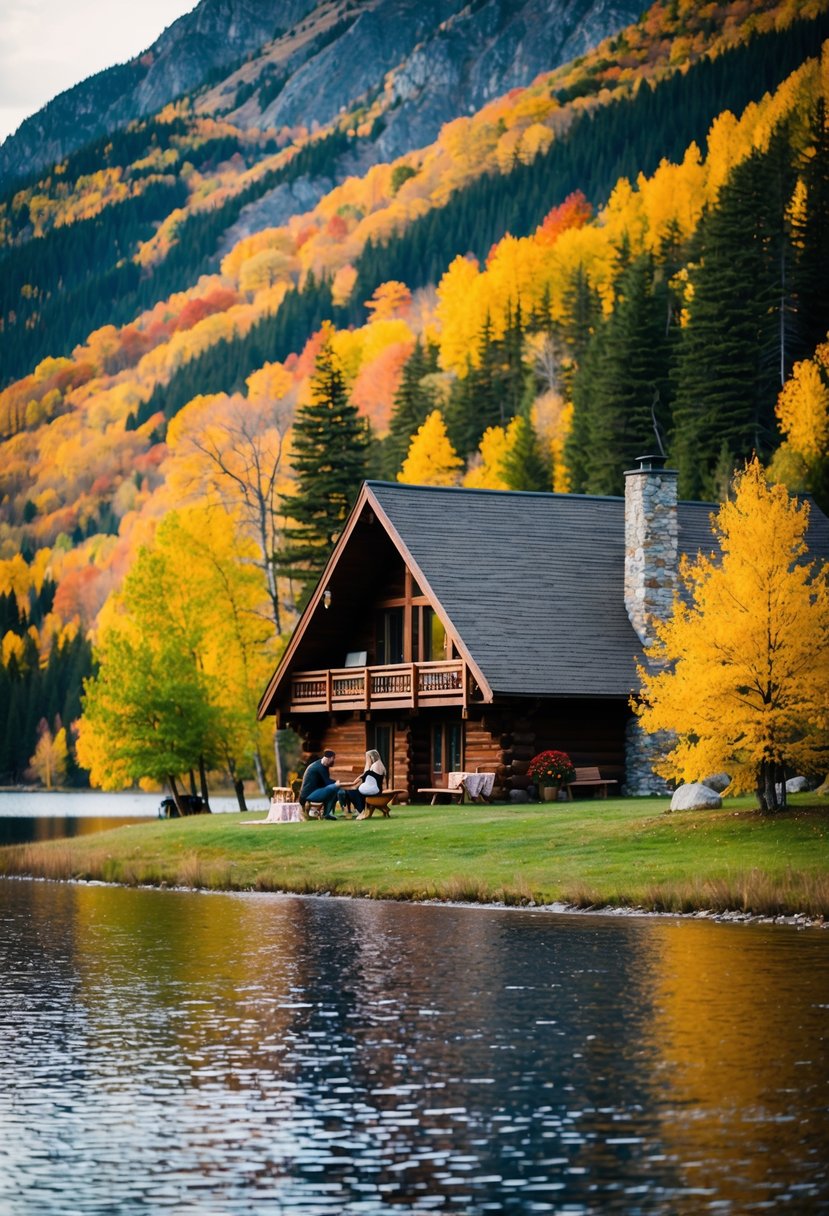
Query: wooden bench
378	802
455	795
592	777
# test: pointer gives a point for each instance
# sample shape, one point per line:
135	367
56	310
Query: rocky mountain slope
285	64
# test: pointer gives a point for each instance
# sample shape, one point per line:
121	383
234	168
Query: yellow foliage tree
432	461
49	760
740	670
487	472
802	460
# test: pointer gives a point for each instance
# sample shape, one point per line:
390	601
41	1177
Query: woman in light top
371	782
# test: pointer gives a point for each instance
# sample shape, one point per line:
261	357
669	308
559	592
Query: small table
279	812
476	786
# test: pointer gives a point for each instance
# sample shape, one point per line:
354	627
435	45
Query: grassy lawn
622	852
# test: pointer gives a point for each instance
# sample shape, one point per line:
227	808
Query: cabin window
447	749
434	635
390	637
428	635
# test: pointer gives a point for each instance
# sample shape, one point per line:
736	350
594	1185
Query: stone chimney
651	568
651	548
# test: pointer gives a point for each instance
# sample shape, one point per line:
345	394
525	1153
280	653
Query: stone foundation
642	751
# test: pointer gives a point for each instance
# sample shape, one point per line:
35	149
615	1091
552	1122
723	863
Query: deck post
414	679
329	689
367	688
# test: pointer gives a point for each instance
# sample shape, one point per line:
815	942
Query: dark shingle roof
534	583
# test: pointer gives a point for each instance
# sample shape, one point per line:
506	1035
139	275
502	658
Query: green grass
619	852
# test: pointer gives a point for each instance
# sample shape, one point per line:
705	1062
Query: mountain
554	273
287	63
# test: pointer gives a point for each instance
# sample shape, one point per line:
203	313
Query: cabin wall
503	738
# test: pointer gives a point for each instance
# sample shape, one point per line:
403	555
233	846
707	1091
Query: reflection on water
237	1054
27	816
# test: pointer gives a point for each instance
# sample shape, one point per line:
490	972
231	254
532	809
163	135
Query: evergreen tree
622	385
523	466
330	443
413	402
811	231
735	345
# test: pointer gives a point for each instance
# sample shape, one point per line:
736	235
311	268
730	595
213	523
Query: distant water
234	1055
42	815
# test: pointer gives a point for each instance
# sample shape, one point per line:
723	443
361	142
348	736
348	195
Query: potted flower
550	770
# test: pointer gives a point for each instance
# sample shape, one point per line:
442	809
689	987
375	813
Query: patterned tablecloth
280	812
478	785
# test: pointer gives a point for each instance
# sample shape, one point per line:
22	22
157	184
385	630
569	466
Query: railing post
367	687
465	685
414	678
329	689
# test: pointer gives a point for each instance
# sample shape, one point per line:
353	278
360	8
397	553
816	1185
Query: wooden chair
442	787
378	802
590	776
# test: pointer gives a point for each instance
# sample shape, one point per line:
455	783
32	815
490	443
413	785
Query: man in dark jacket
319	786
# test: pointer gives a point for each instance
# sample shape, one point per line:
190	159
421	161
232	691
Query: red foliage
204	306
102	484
574	212
337	228
306	362
306	234
80	594
150	459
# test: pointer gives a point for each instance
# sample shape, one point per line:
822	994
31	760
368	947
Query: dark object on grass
191	804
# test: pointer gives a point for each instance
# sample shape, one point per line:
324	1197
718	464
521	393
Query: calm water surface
225	1054
26	816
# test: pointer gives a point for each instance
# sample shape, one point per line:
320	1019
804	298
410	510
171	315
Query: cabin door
447	749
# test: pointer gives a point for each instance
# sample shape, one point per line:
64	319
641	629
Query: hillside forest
631	251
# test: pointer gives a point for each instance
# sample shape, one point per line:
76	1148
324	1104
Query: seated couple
319	786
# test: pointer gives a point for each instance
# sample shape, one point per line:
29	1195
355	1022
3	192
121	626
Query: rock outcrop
439	58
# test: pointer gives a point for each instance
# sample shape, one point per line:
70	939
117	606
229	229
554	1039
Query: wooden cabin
457	629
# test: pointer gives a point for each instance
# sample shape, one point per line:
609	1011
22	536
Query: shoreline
618	857
796	920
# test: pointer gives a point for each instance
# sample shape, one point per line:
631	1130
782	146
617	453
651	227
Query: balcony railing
401	686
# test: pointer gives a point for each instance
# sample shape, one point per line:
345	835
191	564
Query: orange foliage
377	382
574	212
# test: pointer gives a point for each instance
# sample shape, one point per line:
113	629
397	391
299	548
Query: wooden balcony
401	686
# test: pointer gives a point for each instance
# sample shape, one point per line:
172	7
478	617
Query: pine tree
413	402
330	443
622	386
728	370
811	231
523	465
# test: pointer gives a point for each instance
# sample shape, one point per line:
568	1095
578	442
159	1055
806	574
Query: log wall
503	738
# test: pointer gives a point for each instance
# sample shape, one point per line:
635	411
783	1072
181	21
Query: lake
27	815
219	1053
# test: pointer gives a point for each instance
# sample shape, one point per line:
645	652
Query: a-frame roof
531	584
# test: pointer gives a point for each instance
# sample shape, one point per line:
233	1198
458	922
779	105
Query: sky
48	45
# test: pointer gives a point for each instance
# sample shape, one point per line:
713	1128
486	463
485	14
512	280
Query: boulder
518	796
717	781
796	785
695	797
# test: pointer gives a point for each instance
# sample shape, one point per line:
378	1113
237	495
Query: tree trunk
260	773
171	781
193	791
203	780
238	785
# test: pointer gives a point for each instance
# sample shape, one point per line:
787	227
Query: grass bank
619	852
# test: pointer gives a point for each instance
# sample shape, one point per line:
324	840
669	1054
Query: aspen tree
739	672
